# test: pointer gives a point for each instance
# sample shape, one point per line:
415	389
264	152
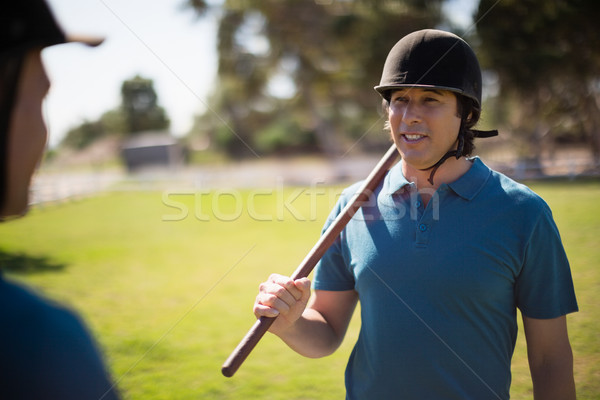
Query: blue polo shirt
439	285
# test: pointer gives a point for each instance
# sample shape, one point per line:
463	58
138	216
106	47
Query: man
440	259
45	350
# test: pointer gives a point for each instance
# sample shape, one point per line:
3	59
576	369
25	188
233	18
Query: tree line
546	56
138	112
298	75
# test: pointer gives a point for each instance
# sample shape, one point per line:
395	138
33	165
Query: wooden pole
262	325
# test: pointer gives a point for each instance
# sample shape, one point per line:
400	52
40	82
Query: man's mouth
413	137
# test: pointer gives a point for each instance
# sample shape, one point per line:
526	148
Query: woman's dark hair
10	68
466	108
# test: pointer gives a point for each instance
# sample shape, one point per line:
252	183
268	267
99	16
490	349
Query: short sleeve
544	287
331	272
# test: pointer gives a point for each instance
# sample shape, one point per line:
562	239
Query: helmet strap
435	166
456	153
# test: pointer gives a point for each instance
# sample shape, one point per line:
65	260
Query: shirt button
418	204
422	227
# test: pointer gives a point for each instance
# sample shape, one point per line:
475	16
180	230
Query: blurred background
202	146
195	86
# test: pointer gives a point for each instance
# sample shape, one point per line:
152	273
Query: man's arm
550	358
313	330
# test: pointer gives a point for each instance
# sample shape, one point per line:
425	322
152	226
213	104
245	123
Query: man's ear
469	117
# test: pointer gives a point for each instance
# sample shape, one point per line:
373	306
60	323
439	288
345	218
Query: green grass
169	297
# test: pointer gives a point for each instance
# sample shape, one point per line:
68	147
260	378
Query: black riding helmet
435	59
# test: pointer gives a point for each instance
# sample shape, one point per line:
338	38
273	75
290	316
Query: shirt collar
467	186
395	181
471	183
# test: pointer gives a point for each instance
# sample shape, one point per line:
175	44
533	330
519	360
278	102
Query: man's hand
282	297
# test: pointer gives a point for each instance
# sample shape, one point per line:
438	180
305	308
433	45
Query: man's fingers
273	301
284	286
264	311
279	294
303	284
274	291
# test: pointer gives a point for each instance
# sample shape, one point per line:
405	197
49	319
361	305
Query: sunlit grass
169	296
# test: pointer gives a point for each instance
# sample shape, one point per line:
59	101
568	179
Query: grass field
166	282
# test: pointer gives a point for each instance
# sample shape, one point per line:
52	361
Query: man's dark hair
469	112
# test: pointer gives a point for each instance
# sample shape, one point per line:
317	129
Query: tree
139	104
83	135
546	56
329	54
139	111
113	122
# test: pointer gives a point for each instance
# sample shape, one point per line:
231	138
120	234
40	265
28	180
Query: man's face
424	124
26	134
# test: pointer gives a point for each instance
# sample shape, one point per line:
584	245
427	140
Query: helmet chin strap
452	153
459	149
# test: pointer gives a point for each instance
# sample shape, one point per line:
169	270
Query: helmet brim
384	90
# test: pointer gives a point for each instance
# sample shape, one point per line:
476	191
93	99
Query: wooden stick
262	325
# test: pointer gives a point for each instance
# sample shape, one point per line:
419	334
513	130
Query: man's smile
413	137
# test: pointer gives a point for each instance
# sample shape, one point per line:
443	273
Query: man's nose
411	114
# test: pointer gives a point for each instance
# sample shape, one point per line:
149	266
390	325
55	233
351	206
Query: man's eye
400	99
